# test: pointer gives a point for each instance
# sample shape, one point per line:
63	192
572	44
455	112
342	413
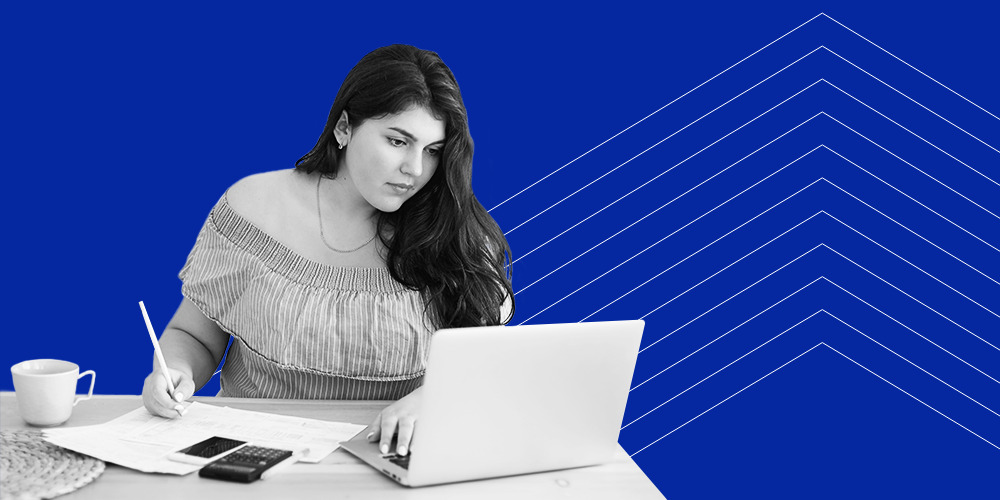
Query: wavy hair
441	241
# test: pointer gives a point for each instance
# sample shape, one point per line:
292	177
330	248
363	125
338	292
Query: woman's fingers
397	420
387	429
156	396
403	435
375	429
183	386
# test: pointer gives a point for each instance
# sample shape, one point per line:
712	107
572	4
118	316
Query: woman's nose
413	164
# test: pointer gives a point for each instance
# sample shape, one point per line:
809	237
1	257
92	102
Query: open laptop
506	400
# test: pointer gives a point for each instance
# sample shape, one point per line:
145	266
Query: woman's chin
388	205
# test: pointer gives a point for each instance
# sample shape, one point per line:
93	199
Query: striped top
302	329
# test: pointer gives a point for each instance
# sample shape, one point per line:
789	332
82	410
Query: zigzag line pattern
696	218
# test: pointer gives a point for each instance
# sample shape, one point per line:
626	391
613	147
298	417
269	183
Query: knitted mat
31	468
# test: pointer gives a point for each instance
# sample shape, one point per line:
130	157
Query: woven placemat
32	468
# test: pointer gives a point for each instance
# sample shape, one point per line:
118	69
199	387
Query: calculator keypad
244	465
256	455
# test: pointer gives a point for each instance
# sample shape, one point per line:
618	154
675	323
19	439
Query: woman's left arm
396	419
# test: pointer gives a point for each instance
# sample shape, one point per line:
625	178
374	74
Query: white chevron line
922	106
908	229
838	220
797	357
910	131
804	254
793	326
716	273
863	235
912	396
900	323
728	365
918	170
910	296
744	59
730	166
740	127
831	282
678	196
751	55
668	137
730	397
669	202
838	253
675	232
832	184
731	330
658	110
906	63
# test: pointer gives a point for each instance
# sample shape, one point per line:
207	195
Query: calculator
244	465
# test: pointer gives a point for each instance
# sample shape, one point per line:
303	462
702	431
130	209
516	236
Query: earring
341	146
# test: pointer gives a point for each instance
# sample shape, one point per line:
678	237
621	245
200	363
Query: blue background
123	124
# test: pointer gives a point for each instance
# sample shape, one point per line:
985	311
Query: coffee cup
46	390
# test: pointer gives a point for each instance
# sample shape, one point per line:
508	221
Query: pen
159	356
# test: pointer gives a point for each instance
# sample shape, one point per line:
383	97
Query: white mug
46	390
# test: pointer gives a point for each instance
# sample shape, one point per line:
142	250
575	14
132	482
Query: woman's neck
342	201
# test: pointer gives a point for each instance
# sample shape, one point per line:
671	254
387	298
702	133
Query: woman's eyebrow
409	135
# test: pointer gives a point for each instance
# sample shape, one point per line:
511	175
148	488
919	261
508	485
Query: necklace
322	235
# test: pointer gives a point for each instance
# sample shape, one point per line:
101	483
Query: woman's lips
400	188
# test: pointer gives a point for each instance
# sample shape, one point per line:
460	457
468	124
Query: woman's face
389	159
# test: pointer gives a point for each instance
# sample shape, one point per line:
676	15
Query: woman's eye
434	152
397	142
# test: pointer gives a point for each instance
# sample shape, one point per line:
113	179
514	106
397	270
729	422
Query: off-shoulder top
302	329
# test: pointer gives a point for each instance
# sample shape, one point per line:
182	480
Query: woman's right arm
193	346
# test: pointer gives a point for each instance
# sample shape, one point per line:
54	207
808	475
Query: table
340	475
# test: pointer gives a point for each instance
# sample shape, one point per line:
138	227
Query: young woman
331	277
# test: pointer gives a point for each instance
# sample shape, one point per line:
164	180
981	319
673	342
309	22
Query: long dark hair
441	241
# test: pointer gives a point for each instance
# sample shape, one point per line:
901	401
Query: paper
141	441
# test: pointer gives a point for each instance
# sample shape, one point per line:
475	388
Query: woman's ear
342	130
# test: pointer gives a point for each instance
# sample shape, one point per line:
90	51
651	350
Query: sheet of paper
104	441
141	441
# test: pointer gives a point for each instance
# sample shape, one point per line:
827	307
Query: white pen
159	357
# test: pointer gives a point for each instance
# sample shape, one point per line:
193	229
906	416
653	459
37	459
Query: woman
331	277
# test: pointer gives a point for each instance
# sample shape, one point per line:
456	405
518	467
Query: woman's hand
155	395
396	419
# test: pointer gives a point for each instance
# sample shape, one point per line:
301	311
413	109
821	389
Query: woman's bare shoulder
264	198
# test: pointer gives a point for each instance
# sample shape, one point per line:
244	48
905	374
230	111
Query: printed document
141	441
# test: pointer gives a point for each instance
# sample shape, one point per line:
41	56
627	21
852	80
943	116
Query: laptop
507	400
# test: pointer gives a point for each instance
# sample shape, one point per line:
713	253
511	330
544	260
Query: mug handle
90	394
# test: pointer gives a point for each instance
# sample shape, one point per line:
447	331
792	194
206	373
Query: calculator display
211	447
